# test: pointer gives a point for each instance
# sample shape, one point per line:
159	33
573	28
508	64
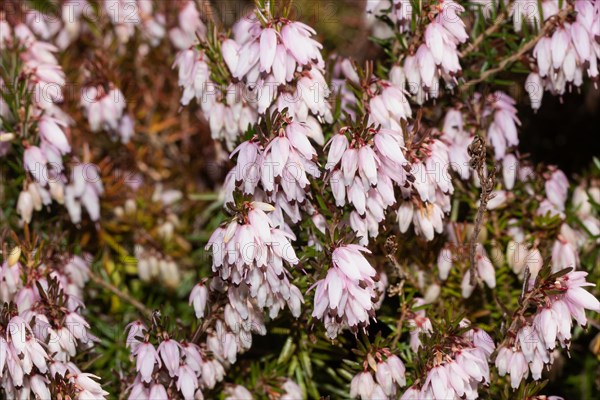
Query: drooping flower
459	372
485	272
345	297
105	110
199	297
363	174
189	28
552	322
438	56
253	252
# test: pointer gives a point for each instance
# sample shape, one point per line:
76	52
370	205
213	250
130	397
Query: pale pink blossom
87	382
458	374
237	392
341	296
292	390
187	382
39	386
170	355
157	391
420	325
190	27
564	255
198	298
146	357
25	206
557	187
444	263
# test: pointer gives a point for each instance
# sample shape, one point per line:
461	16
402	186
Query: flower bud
534	262
143	268
198	298
349	71
169	273
25	206
14	256
35	196
405	216
515	256
57	191
6	137
165	231
444	263
130	207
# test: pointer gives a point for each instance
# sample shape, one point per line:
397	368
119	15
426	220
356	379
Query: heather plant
292	200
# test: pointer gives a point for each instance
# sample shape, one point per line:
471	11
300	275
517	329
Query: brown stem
519	314
399	325
548	26
502	17
207	10
122	295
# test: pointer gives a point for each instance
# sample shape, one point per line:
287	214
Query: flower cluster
385	99
251	251
286	54
229	106
347	295
437	57
123	16
127	15
151	249
42	329
502	123
278	169
229	114
189	28
44	152
457	371
269	64
172	368
429	196
44	161
400	12
389	373
152	266
558	302
105	111
363	173
563	57
502	131
241	317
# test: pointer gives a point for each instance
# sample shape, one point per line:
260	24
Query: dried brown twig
477	152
